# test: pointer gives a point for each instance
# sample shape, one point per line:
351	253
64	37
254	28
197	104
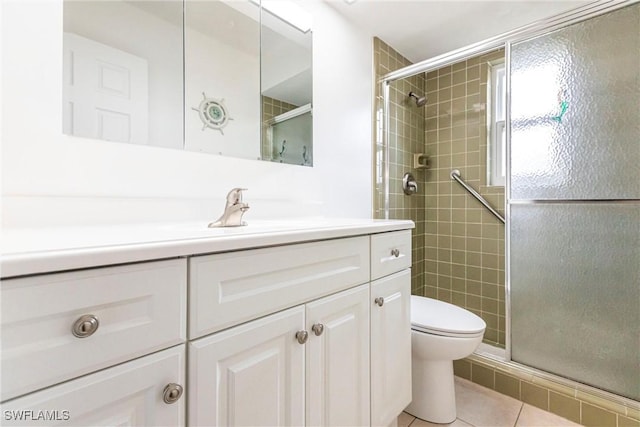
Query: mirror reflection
287	135
235	79
122	71
222	78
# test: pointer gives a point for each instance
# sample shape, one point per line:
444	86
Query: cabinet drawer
227	289
140	308
130	394
390	252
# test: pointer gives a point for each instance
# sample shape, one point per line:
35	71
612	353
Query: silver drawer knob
318	329
172	393
379	301
302	336
85	326
395	252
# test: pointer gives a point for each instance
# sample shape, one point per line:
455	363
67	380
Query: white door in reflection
105	92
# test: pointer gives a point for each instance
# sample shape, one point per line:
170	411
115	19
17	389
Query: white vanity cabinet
313	331
254	373
238	375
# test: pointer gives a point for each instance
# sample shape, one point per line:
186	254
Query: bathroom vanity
290	323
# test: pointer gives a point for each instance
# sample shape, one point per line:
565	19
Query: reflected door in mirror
122	71
105	92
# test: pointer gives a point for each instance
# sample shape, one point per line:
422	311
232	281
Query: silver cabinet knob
395	252
318	329
172	393
379	301
85	326
302	336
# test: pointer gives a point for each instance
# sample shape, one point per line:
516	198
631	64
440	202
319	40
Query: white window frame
496	144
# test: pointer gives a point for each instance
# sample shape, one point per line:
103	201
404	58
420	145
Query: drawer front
228	289
390	252
130	394
139	308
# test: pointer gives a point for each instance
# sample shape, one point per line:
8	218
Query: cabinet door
338	359
390	347
130	394
249	375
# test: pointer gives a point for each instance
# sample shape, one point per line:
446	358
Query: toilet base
434	397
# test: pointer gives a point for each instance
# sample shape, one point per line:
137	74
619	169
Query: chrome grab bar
455	175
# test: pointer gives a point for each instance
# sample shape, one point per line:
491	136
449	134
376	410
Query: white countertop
42	250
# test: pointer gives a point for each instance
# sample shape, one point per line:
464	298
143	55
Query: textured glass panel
575	292
575	111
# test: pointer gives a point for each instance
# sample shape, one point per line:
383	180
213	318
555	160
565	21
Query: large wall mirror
231	78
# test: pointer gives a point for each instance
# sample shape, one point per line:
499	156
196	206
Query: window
497	144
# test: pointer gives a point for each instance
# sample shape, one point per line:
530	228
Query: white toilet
440	333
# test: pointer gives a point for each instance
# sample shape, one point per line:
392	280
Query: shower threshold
492	352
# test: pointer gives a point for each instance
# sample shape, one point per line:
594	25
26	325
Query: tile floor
480	407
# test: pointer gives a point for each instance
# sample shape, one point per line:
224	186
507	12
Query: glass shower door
574	202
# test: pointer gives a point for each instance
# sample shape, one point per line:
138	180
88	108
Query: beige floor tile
405	419
530	416
482	407
421	423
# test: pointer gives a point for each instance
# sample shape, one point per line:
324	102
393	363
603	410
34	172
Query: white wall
52	179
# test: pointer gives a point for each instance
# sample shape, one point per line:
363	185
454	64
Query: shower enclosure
552	109
575	202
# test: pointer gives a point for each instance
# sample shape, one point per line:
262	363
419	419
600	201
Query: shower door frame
505	40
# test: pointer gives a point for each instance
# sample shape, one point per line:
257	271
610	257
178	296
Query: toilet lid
442	318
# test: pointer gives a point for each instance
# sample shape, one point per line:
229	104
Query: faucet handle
235	196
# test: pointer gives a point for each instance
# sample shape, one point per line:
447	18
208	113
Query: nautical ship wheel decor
213	113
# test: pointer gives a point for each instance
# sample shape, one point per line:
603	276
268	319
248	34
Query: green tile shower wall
464	253
406	123
458	246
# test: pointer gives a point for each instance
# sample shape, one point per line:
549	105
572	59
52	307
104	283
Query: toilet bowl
440	333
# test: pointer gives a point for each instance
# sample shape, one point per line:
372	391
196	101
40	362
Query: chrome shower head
420	100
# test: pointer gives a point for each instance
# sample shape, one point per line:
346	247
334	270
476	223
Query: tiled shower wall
406	124
464	255
458	246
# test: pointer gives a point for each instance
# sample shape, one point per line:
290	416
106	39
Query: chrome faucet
233	211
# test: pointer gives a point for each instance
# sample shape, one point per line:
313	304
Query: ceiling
422	29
